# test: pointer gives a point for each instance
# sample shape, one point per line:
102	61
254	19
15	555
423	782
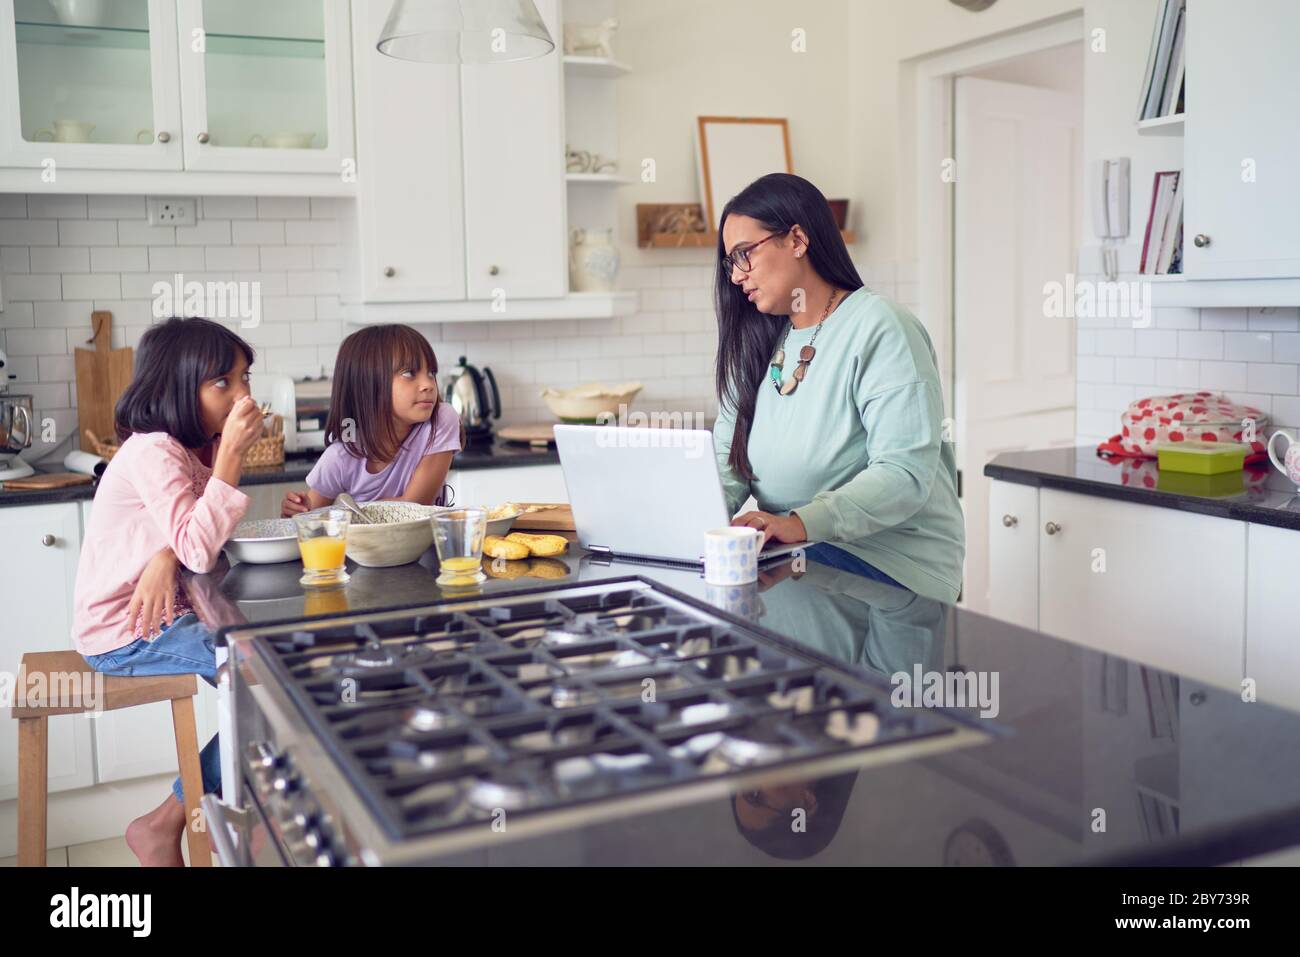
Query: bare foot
155	838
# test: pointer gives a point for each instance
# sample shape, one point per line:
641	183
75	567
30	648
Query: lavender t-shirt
338	470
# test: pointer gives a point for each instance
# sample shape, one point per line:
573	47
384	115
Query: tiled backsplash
1253	355
63	256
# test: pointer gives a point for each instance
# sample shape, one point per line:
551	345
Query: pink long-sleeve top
155	493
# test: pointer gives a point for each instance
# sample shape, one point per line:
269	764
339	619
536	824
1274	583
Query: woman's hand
784	528
151	604
295	503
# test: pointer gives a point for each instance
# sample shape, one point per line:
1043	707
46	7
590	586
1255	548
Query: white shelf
1179	291
576	305
598	179
594	66
1162	125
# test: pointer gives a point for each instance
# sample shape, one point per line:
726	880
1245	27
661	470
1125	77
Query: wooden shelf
594	66
1162	125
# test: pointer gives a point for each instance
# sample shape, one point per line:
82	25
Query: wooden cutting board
540	433
556	518
102	376
47	481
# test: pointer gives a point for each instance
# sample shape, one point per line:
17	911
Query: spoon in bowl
348	502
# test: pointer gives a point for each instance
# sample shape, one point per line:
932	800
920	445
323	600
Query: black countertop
1258	494
1105	760
295	468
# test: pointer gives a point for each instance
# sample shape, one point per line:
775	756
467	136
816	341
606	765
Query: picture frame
733	151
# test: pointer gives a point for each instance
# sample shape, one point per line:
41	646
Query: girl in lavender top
389	436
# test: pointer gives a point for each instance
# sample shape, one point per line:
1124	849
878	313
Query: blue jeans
848	562
185	647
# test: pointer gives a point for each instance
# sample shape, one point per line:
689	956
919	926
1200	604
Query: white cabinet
41	548
1241	141
1273	615
461	190
1013	553
528	483
264	500
1161	586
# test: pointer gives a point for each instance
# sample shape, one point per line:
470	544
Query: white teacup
1290	463
66	131
731	555
282	141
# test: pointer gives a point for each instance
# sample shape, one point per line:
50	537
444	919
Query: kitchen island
1088	758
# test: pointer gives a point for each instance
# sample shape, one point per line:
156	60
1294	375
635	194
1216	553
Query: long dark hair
747	337
363	388
174	359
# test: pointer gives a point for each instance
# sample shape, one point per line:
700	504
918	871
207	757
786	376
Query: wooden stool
55	682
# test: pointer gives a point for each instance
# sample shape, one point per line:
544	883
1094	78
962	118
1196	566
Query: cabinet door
1013	553
1156	585
266	87
264	500
410	219
1239	144
527	483
1273	614
515	206
93	87
36	595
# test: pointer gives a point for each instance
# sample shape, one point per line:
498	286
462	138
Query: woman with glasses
830	409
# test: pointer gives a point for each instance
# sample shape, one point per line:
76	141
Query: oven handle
228	830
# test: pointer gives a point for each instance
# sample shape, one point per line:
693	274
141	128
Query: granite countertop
296	466
1258	494
1173	762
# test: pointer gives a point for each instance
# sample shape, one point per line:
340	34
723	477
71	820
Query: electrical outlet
172	211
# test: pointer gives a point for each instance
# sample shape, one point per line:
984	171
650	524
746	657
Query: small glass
458	535
323	542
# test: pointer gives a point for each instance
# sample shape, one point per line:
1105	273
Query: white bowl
264	542
400	533
585	403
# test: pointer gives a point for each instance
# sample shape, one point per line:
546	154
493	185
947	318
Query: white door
410	212
515	199
1013	553
1017	208
89	93
41	545
266	87
1241	140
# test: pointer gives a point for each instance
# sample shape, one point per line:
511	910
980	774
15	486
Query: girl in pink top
389	436
168	498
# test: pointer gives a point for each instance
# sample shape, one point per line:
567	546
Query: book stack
1162	94
1162	247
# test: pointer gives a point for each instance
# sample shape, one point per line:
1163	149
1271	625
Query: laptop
647	495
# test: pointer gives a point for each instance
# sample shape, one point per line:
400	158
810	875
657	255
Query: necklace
805	355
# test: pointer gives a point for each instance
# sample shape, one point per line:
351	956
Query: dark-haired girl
168	498
831	412
389	437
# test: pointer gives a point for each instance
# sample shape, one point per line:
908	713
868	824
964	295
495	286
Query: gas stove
395	737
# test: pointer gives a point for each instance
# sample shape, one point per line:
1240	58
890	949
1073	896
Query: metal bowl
264	542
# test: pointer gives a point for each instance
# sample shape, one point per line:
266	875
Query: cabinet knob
1051	528
1010	521
1201	240
203	137
48	541
390	272
1197	697
494	270
164	136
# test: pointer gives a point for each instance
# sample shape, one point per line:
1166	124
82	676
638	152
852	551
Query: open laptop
646	495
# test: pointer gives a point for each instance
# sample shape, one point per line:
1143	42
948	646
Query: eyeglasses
738	258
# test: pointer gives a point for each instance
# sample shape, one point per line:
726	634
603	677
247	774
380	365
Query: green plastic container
1201	458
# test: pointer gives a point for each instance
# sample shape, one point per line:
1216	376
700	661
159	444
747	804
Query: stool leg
33	785
187	754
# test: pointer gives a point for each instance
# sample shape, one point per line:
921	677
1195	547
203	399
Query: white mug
731	555
1290	464
282	141
66	131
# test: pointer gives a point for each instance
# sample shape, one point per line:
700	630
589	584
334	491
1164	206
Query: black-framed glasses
738	258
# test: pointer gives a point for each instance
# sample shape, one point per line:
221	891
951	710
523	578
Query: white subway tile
267	335
1223	376
285	257
640	277
661	300
132	232
116	207
688	277
1275	319
643	365
1115	342
137	312
15	259
1248	346
92	286
233	258
31	287
257	232
47	395
1286	411
36	342
229	207
1177	317
29	232
1132	370
329	307
119	258
177	258
603	368
57	368
283	207
56	206
1200	345
91	232
700	342
206	232
325	257
643	322
1286	347
1233	320
271	283
13	205
23	369
1113	398
288	308
1178	373
141	285
621	346
314	232
1087	342
665	344
70	314
327	207
317	333
322	283
532	350
17	315
1273	377
60	259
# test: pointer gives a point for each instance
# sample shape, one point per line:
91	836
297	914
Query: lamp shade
465	31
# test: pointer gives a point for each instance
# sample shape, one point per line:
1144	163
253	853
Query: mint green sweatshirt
858	451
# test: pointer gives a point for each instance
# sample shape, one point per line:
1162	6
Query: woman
831	414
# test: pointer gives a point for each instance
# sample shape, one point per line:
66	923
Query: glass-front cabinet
241	85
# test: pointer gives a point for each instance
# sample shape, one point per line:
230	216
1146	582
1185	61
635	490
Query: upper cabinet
189	86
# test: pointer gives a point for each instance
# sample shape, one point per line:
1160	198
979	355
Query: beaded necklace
805	355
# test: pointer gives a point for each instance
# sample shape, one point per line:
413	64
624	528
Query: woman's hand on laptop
784	528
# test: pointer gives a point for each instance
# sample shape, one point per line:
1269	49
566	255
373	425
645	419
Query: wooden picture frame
733	151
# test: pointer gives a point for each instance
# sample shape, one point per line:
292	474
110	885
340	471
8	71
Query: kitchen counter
1263	496
1173	769
295	468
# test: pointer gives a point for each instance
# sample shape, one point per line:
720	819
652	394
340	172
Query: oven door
241	837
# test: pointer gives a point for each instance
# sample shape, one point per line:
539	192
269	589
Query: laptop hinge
601	554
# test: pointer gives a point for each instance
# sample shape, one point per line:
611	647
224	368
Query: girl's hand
294	503
243	426
784	528
151	604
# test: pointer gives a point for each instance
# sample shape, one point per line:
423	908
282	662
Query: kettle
468	396
15	427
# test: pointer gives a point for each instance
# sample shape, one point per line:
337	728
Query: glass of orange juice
323	542
458	535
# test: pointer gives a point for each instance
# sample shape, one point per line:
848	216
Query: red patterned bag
1204	416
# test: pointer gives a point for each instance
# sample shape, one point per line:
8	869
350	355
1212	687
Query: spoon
348	502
